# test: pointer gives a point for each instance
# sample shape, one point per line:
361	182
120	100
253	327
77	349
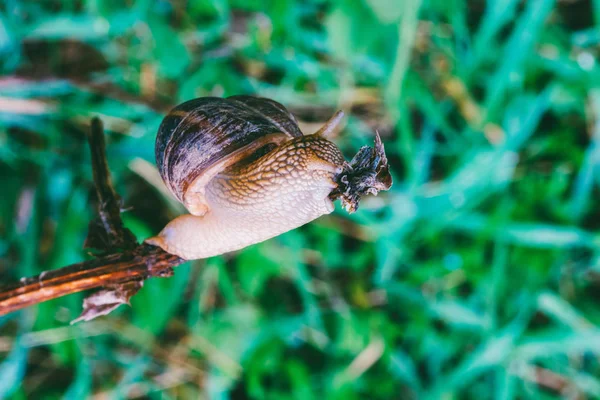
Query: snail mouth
329	206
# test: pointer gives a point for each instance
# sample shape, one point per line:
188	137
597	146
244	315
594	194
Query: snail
246	173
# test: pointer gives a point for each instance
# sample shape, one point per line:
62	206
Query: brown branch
120	271
110	271
106	232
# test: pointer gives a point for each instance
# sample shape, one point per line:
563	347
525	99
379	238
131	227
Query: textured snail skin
280	191
203	136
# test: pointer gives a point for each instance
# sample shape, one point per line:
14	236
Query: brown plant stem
143	262
123	265
106	232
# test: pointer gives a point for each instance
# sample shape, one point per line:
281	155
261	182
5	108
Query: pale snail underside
246	173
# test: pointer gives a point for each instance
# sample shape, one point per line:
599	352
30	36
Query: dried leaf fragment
106	300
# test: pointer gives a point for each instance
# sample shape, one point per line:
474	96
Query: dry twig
119	271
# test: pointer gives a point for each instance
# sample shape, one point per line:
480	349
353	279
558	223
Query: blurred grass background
476	277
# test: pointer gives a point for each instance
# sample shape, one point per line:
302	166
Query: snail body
244	171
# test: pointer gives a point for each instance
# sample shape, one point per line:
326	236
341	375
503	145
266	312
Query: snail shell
201	137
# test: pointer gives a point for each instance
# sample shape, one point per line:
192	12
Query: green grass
475	277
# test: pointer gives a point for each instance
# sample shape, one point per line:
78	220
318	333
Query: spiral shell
201	137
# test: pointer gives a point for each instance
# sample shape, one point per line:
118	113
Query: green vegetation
476	277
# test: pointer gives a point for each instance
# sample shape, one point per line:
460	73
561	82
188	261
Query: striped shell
201	137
